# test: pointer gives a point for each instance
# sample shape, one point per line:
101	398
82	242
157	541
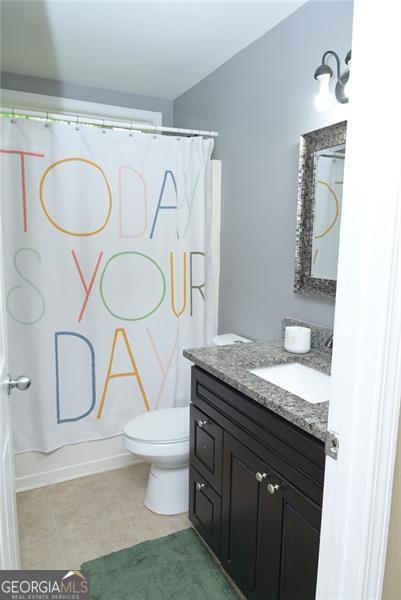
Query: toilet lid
158	426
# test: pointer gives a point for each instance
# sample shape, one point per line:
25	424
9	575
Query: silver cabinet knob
260	476
22	383
201	423
272	488
200	486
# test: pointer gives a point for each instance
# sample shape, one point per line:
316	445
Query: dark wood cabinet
290	529
243	507
256	485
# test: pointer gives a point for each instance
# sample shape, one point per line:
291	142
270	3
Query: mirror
320	185
329	172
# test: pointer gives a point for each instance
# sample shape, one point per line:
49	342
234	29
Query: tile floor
63	525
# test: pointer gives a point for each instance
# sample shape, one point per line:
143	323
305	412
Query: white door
9	547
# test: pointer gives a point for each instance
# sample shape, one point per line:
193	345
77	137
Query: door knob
22	383
272	488
260	476
201	423
200	486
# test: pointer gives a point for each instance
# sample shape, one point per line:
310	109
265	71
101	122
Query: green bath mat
175	567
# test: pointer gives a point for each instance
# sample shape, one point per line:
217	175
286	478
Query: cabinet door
244	478
289	547
205	509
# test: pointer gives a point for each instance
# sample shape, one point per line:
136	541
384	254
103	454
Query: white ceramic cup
297	339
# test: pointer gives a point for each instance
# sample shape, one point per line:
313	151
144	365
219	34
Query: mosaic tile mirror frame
321	165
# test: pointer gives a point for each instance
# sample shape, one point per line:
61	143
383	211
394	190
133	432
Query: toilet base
167	491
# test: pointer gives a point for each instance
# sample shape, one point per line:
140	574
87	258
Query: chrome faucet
329	342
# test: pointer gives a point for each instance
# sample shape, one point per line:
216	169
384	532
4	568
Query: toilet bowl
161	437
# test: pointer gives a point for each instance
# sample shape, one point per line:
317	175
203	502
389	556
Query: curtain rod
134	126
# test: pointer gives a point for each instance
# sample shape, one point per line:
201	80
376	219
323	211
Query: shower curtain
109	274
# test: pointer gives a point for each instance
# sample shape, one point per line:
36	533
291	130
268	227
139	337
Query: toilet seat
165	451
166	426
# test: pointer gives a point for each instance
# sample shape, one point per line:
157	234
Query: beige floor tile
131	501
36	522
45	555
97	540
66	524
32	496
76	554
84	504
129	485
148	526
181	522
133	476
92	482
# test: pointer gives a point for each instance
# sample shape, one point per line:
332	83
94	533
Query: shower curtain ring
103	130
77	124
47	124
130	130
13	116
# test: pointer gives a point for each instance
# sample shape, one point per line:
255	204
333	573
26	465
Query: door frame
9	539
366	374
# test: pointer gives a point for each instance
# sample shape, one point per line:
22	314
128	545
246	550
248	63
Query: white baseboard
34	469
29	482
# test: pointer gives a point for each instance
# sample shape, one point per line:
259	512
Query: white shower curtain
109	275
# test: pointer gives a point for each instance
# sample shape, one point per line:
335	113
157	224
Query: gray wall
64	89
260	101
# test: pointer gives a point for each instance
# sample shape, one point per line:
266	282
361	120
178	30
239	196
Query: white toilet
161	437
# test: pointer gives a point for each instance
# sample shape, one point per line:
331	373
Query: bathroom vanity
256	470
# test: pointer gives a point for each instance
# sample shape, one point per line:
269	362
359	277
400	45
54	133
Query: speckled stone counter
231	364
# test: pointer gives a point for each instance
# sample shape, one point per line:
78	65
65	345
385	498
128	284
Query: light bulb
324	98
348	85
347	88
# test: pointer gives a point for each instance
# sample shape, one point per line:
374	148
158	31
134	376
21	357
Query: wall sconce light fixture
323	75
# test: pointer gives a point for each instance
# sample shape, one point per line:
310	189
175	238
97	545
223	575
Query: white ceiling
151	48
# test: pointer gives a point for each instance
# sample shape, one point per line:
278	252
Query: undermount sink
309	384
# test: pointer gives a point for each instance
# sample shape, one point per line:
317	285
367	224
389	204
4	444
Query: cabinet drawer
206	443
205	510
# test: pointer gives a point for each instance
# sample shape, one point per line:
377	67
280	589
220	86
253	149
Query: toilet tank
226	339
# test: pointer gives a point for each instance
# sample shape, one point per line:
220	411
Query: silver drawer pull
200	486
272	488
201	423
260	476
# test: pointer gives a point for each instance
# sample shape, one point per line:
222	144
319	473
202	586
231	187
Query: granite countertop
232	363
